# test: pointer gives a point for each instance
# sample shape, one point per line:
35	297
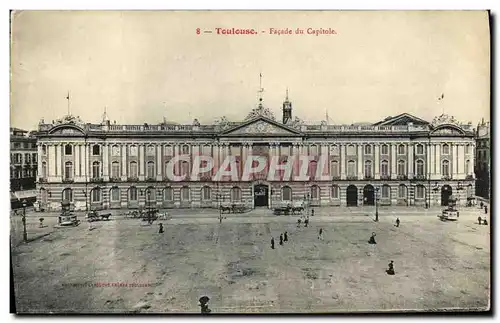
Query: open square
439	265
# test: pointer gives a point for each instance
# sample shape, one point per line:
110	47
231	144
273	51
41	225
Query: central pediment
261	126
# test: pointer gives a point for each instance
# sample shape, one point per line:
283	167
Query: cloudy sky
144	66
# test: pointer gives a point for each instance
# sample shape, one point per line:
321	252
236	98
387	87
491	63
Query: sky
143	66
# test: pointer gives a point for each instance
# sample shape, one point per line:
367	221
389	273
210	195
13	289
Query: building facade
23	160
402	160
483	159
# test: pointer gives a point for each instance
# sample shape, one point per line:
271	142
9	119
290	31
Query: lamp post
376	203
25	234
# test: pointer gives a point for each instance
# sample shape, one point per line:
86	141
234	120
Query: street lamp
376	203
25	234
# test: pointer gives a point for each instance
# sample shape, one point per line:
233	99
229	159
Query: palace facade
401	160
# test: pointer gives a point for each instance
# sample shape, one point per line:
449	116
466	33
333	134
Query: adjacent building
483	159
23	160
401	160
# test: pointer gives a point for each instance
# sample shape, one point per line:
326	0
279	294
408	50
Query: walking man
397	222
485	209
281	239
312	212
286	236
479	220
306	222
320	236
161	228
298	223
272	243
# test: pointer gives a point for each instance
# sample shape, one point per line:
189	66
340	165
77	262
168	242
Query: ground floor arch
352	195
446	192
368	195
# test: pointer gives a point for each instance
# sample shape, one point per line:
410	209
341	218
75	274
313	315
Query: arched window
185	149
68	150
351	150
384	168
96	150
467	167
235	194
133	151
133	169
96	195
151	169
315	192
184	168
420	194
335	193
420	167
401	168
96	170
446	149
386	191
445	168
420	149
115	169
132	193
368	149
334	168
185	194
168	194
44	170
313	150
351	168
401	149
286	193
115	151
368	169
384	150
115	194
68	170
67	194
402	191
168	151
206	193
151	150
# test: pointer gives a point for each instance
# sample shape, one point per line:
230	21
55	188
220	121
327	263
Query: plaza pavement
439	265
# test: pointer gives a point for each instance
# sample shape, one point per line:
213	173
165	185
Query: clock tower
287	110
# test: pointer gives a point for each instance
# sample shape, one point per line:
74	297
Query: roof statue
222	123
196	122
444	119
69	119
260	110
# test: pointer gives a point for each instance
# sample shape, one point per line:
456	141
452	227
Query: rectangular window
168	194
386	190
420	192
115	195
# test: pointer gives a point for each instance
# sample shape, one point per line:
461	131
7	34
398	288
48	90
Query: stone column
393	161
141	162
159	164
105	161
428	162
411	160
360	161
343	161
76	150
59	168
39	164
195	151
124	151
377	161
438	161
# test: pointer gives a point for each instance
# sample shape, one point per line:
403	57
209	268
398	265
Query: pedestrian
161	228
391	271
485	222
397	222
372	239
286	236
481	205
320	235
312	212
485	209
281	239
479	220
298	223
306	222
272	243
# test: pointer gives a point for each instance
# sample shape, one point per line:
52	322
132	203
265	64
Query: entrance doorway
352	195
368	195
261	195
446	192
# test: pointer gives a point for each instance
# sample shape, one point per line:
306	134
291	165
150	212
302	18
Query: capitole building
401	160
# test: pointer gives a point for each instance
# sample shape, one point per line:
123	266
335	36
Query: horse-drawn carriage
233	208
98	216
450	213
289	209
